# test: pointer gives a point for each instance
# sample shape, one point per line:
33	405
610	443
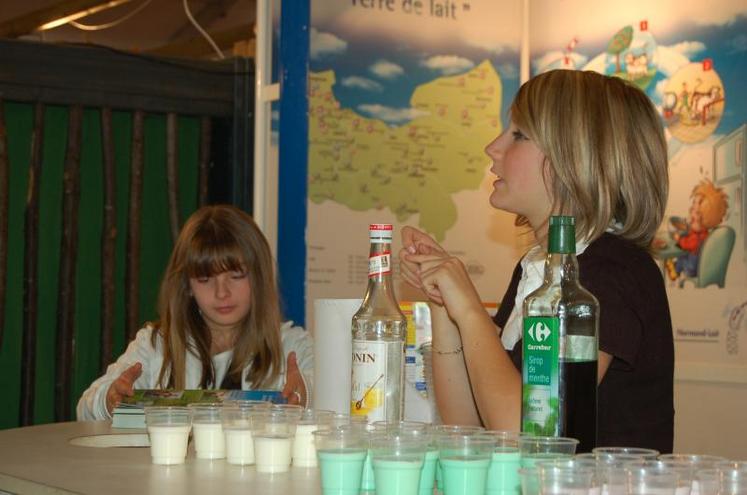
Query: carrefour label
380	263
369	380
539	407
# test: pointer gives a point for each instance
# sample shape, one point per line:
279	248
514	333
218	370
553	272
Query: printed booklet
130	413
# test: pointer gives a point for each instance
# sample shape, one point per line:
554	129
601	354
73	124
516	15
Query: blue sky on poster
380	56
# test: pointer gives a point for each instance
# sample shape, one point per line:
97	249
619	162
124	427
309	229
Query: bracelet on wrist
453	351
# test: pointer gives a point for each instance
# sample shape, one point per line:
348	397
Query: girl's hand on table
295	388
122	386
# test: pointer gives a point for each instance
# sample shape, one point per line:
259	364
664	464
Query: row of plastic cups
242	432
407	457
626	473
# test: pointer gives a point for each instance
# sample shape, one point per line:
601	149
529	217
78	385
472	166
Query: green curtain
155	245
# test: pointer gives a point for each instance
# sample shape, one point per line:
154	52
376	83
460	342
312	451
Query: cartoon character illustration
636	66
707	210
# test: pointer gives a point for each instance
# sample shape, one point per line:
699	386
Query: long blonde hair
605	148
217	239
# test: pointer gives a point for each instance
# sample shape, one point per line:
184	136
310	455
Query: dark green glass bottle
560	347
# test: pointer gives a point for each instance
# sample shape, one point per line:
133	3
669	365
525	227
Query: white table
41	459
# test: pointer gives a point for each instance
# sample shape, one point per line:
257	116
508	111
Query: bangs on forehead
216	256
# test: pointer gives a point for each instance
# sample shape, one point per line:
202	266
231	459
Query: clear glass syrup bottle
560	347
379	332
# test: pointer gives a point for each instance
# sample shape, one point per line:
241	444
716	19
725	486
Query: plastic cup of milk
304	452
273	440
238	421
168	429
207	431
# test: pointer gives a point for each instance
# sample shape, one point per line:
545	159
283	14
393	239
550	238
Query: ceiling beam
28	23
199	47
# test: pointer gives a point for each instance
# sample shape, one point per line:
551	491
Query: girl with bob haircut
591	146
220	325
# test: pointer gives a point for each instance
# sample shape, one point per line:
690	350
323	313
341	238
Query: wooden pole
30	290
4	191
204	166
68	263
172	173
108	240
132	276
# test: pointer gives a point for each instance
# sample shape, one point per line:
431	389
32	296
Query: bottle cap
562	236
381	232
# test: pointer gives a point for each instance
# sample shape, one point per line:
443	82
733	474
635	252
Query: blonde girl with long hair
591	146
220	324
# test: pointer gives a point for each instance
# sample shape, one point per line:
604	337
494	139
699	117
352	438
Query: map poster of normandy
404	95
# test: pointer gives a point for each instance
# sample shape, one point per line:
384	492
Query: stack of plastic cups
611	471
535	449
441	430
421	432
341	453
682	470
503	473
567	477
397	458
168	429
652	479
274	430
238	419
732	477
697	463
465	460
304	453
207	431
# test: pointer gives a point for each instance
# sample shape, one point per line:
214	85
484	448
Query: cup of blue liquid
465	460
397	463
534	449
341	453
503	473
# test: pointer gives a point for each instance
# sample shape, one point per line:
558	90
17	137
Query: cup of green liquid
423	433
341	454
440	430
503	472
464	462
397	463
